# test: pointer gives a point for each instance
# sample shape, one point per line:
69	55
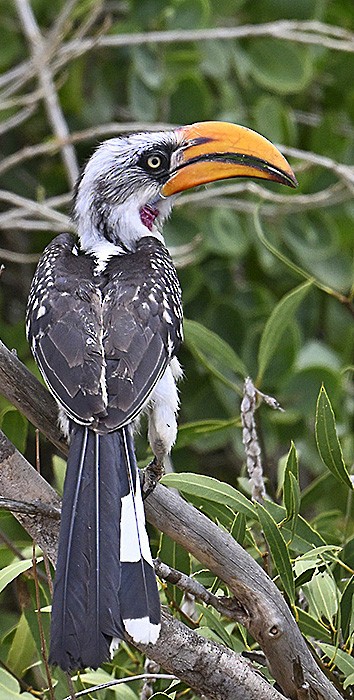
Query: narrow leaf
210	489
327	440
292	462
343	661
215	353
9	573
305	535
292	501
330	550
280	318
213	621
278	550
177	557
238	530
322	594
22	649
347	609
312	627
291	494
188	432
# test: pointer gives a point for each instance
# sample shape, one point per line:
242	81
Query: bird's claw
151	475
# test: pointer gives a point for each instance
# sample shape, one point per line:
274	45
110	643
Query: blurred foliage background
76	72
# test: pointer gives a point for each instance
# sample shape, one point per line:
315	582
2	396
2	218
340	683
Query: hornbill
104	321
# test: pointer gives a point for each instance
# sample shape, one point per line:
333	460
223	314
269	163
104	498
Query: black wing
142	319
102	341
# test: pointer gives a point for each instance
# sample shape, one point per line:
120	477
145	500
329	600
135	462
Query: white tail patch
134	542
142	630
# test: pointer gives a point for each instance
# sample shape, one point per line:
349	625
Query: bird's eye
153	162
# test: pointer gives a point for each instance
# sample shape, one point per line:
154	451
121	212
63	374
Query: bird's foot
151	475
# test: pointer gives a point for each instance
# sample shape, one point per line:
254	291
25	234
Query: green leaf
327	440
9	573
280	318
189	432
280	66
343	661
348	681
292	500
15	427
22	648
323	595
191	99
305	536
59	469
142	99
213	621
238	530
292	462
10	688
224	235
188	14
177	557
210	489
214	353
292	495
347	609
273	119
278	550
326	552
147	64
312	627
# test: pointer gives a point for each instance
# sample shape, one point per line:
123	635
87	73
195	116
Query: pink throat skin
148	215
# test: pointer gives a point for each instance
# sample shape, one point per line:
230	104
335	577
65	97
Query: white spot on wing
41	311
167	317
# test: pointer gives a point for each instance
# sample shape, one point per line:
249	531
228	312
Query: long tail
139	598
98	529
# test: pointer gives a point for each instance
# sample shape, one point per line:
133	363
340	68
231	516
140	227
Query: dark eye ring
154	162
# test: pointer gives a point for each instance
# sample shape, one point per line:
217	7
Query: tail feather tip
142	630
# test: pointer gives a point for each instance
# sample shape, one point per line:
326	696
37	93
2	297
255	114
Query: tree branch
179	650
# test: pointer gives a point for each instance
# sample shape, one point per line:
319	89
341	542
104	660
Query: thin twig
307	32
38	598
40	626
119	681
45	556
17	119
291	30
28	205
41	63
228	607
11	546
